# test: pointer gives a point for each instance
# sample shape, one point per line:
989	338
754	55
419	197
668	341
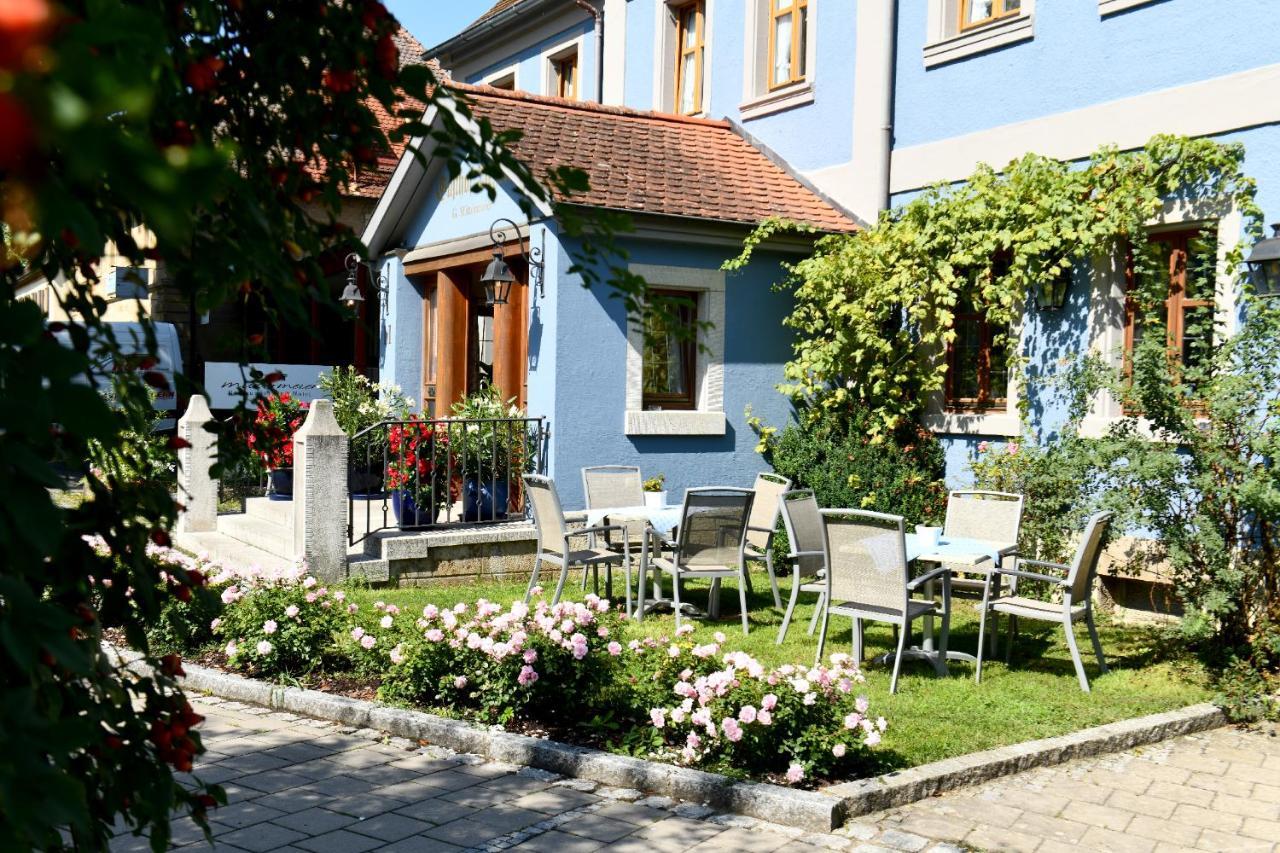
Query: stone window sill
973	423
789	97
1000	33
673	422
1111	7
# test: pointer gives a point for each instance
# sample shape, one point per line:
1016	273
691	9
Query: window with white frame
780	56
1188	248
675	383
961	28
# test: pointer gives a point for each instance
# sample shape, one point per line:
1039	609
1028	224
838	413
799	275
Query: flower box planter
655	499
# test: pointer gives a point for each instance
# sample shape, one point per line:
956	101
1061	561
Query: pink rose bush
277	623
500	663
726	711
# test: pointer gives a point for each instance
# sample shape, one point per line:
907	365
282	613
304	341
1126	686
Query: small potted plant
360	406
490	451
655	491
417	471
279	417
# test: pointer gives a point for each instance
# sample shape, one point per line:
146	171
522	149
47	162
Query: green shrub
184	626
551	662
280	624
730	714
835	454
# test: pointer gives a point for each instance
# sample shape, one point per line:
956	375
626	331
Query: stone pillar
320	509
197	489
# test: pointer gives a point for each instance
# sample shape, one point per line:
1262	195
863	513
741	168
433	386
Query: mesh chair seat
670	568
872	611
593	555
1031	608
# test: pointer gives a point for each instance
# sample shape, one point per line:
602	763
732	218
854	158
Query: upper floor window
788	36
690	41
1184	264
974	13
565	76
977	362
670	355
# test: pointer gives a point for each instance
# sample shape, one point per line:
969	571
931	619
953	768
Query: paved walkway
295	784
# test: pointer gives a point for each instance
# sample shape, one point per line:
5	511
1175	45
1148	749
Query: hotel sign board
225	381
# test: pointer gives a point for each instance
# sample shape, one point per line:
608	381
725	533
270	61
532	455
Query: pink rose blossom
397	655
269	627
430	611
264	647
231	649
658	718
213	626
838	750
311	598
460	682
527	676
769	701
357	632
291	611
308	582
615	648
862	703
530	655
872	739
747	714
732	730
368	640
386	621
435	635
764	718
795	773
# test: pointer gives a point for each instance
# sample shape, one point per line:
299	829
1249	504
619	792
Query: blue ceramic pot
407	511
280	486
484	501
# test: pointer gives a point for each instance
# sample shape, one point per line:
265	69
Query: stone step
276	512
231	551
264	535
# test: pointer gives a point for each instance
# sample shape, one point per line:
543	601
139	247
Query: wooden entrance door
466	344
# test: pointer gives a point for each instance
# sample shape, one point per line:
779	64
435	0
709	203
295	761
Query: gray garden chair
553	542
808	555
763	524
991	517
868	579
1076	589
606	486
709	544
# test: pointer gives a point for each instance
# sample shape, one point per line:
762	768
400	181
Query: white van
132	341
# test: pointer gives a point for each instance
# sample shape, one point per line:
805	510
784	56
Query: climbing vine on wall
874	310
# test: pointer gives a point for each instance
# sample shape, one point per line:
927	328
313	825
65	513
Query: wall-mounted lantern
497	278
1264	264
351	296
1051	293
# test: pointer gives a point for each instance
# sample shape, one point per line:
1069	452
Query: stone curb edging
812	811
907	786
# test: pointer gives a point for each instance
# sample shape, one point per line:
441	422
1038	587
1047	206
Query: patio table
661	519
975	555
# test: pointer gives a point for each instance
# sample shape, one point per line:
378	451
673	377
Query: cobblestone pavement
296	784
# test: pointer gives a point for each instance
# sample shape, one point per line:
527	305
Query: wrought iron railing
423	473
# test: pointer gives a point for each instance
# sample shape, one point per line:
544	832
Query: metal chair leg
813	622
742	599
791	609
822	637
897	659
1075	654
982	629
857	642
1097	645
533	578
773	579
564	576
675	597
1013	634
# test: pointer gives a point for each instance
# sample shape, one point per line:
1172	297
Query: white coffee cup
928	536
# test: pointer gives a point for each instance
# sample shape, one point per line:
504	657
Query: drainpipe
598	15
890	36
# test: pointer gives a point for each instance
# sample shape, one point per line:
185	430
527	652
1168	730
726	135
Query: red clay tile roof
370	182
646	162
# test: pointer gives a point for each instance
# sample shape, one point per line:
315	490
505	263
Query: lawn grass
930	718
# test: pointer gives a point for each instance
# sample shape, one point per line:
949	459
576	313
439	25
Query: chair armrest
1045	563
600	528
915	583
1032	576
768	530
795	554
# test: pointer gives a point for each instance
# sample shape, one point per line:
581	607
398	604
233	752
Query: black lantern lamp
497	279
351	295
1264	263
1051	293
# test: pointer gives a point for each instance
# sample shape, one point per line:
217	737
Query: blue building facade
863	103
